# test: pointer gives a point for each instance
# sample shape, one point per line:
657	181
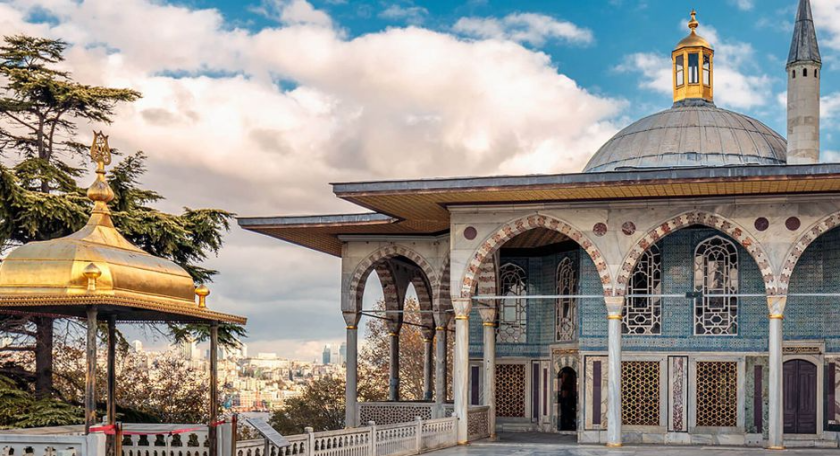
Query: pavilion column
441	334
352	369
428	362
615	305
462	307
112	380
214	388
776	422
488	318
394	325
90	375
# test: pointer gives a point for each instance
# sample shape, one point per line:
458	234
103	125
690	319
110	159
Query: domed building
682	289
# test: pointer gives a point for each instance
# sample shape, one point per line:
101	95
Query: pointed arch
693	218
798	248
520	225
363	269
442	299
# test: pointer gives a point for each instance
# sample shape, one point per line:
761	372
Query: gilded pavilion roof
98	266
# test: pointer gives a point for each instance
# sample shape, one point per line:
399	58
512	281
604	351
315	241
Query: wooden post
214	387
118	437
112	381
90	377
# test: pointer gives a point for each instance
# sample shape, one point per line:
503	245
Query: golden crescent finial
693	24
100	192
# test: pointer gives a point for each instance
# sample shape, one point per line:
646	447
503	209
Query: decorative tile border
715	221
809	236
511	229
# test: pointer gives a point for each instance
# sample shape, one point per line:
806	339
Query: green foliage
19	409
321	406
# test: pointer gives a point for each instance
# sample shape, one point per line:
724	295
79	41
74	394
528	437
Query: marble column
428	362
615	305
776	422
441	334
394	367
352	369
488	319
461	365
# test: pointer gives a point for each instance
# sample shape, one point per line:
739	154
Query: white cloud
744	5
414	15
739	82
531	28
221	132
293	12
827	21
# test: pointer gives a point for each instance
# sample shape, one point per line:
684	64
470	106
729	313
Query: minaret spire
803	109
803	46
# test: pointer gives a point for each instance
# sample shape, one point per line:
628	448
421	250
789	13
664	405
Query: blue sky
256	106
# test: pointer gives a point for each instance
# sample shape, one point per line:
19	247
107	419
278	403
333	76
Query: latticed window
717	394
513	308
716	277
643	310
640	393
566	306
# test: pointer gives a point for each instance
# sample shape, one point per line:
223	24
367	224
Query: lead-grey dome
691	133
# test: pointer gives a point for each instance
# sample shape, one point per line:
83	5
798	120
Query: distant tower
326	355
138	346
803	108
342	352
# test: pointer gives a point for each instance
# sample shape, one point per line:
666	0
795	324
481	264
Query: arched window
793	74
643	311
716	276
566	307
513	310
804	72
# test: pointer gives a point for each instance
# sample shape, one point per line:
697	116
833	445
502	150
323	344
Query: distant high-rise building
138	346
189	350
342	353
327	355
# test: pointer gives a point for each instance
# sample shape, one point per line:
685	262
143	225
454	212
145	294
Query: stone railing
394	412
51	445
478	422
400	439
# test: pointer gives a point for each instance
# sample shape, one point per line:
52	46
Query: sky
255	106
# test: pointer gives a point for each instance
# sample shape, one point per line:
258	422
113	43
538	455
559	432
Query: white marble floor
517	446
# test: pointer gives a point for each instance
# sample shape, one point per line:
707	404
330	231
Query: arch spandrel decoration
442	300
520	225
798	248
360	274
714	221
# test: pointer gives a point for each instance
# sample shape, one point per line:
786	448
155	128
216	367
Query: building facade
681	289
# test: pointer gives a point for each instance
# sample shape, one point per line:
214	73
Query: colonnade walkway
545	444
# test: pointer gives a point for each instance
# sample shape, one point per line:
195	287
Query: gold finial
91	272
100	192
202	292
693	24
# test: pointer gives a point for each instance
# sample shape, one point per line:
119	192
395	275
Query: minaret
803	108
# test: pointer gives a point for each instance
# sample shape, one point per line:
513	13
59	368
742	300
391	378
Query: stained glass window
643	310
513	309
716	276
566	307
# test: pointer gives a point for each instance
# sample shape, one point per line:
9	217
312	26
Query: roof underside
420	207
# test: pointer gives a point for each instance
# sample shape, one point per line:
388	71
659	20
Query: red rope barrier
111	430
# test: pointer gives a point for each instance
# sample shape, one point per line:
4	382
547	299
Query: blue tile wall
818	271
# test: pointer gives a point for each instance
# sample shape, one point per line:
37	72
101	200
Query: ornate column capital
615	305
462	307
776	306
352	319
442	319
488	315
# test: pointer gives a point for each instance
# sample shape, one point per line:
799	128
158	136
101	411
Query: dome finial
693	24
100	192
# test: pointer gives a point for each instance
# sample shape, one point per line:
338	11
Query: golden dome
693	39
98	266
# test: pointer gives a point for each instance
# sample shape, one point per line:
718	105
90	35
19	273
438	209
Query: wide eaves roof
420	207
